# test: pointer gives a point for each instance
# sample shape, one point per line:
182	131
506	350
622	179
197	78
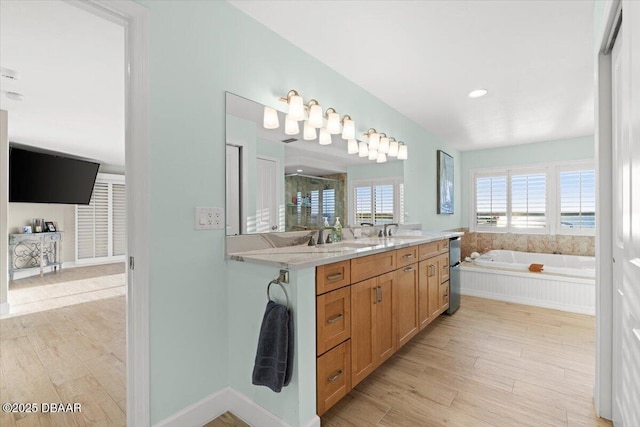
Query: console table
35	250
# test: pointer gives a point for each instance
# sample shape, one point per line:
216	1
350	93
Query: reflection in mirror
279	182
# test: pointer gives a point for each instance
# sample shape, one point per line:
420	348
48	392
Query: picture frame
445	184
49	227
26	229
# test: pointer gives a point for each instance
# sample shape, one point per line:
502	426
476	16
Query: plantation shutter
491	201
362	204
529	201
329	205
578	199
383	204
119	219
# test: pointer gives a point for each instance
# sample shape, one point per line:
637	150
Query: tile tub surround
539	243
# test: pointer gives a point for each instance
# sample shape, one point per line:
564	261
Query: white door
233	190
267	218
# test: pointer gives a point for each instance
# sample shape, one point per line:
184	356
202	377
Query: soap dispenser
338	229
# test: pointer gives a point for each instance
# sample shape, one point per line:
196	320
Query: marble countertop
303	256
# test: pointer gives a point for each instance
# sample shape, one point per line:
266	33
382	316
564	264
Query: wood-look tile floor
490	364
72	354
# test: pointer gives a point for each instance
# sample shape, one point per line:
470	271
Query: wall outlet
209	219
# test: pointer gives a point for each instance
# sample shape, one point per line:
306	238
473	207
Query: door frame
278	196
135	20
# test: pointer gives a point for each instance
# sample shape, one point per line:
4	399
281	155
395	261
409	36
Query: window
378	202
544	199
329	205
578	199
101	225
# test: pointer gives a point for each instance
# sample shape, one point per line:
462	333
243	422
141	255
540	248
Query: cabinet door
364	297
434	287
428	250
428	291
385	330
443	260
372	265
444	296
406	302
333	319
333	376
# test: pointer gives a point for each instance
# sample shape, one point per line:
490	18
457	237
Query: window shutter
84	230
119	219
362	204
329	204
529	201
383	204
577	199
101	219
491	201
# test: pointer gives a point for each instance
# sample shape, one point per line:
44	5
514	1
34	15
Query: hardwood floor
226	420
72	354
490	364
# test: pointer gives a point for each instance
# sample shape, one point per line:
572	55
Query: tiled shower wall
568	245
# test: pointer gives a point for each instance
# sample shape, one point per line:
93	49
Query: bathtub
567	282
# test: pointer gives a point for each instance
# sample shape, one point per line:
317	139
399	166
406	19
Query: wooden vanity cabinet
406	300
373	265
333	319
433	273
333	376
333	276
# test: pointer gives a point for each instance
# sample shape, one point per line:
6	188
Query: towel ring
276	281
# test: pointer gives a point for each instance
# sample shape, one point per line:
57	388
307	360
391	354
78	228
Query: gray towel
274	359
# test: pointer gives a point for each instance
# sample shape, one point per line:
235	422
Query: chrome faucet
388	233
321	235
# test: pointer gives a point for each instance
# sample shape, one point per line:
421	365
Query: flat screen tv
38	177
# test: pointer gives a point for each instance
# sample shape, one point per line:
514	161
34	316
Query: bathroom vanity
354	303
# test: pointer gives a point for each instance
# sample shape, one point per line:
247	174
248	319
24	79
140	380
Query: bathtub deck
490	364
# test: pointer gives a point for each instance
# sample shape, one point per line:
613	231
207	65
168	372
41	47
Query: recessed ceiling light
477	93
13	95
10	74
299	170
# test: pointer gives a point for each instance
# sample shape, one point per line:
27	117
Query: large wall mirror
278	182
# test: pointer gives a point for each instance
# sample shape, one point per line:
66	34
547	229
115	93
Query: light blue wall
199	50
525	154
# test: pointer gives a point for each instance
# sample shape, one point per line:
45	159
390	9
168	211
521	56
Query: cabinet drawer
443	246
428	250
333	376
333	322
407	256
444	267
372	265
332	276
444	295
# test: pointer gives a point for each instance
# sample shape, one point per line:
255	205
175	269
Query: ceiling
71	66
534	58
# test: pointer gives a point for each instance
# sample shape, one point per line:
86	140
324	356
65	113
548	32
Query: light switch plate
209	219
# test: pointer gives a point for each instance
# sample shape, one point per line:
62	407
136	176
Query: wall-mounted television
46	177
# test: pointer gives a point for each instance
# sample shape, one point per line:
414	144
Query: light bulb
373	154
384	145
393	148
270	120
374	141
348	129
315	116
291	126
296	108
363	149
381	157
333	123
402	152
352	146
309	133
325	137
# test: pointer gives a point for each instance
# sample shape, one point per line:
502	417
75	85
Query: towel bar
277	282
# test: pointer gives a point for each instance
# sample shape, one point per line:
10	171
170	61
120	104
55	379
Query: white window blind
528	201
378	203
101	225
578	199
362	204
491	201
384	204
329	205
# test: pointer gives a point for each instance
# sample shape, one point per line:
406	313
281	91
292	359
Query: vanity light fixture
478	93
348	128
298	170
333	121
291	125
374	139
363	149
384	144
373	154
270	120
402	151
381	157
309	132
352	146
325	137
315	114
393	147
296	106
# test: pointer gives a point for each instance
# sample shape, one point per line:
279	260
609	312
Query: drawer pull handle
380	294
335	318
407	256
432	270
334	276
408	269
336	376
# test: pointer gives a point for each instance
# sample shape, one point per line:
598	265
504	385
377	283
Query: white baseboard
529	301
4	308
227	399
